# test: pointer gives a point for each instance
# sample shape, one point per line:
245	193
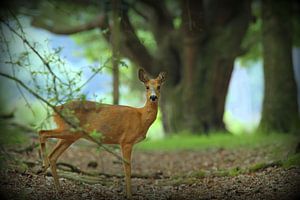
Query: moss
293	160
221	173
181	181
235	171
229	172
199	174
256	167
21	168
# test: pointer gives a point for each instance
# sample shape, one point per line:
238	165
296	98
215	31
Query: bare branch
36	52
98	22
14	72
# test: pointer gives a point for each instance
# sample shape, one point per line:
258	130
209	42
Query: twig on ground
72	172
27	149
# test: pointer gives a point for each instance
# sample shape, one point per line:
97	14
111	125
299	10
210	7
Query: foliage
95	48
97	135
65	12
252	41
296	31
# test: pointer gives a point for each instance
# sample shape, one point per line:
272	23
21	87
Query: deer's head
152	85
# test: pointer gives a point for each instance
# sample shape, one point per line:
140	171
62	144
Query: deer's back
117	124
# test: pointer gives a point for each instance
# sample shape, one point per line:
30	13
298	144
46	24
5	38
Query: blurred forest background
233	67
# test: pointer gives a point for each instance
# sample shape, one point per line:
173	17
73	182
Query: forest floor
215	173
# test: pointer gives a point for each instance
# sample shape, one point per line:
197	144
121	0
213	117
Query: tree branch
98	22
11	60
192	20
37	53
140	13
134	49
131	48
163	16
168	39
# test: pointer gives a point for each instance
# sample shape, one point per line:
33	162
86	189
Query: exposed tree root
26	149
71	168
71	172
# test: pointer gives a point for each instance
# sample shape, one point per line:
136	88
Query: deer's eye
147	87
158	87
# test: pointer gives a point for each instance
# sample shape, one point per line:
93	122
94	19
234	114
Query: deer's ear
162	77
143	76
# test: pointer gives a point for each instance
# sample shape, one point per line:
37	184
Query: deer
118	124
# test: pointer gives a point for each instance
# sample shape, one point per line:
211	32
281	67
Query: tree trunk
280	111
116	51
209	50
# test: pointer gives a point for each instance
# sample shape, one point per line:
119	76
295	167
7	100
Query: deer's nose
153	97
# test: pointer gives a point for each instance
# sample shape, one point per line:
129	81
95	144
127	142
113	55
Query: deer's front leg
126	151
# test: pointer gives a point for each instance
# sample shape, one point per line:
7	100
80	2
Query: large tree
280	110
198	55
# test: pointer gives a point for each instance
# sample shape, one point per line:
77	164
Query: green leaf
95	134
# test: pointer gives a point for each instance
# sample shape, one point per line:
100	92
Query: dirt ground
157	175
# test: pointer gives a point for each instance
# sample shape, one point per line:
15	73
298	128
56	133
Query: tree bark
116	50
209	47
280	110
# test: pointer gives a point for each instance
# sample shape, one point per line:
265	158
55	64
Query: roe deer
117	124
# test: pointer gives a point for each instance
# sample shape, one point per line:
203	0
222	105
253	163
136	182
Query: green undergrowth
220	140
10	135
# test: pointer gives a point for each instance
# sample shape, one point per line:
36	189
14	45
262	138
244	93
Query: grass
219	140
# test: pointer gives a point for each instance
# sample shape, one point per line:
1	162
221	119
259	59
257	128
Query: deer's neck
149	112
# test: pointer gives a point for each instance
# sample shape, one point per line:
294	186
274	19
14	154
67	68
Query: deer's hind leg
44	135
60	133
66	139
